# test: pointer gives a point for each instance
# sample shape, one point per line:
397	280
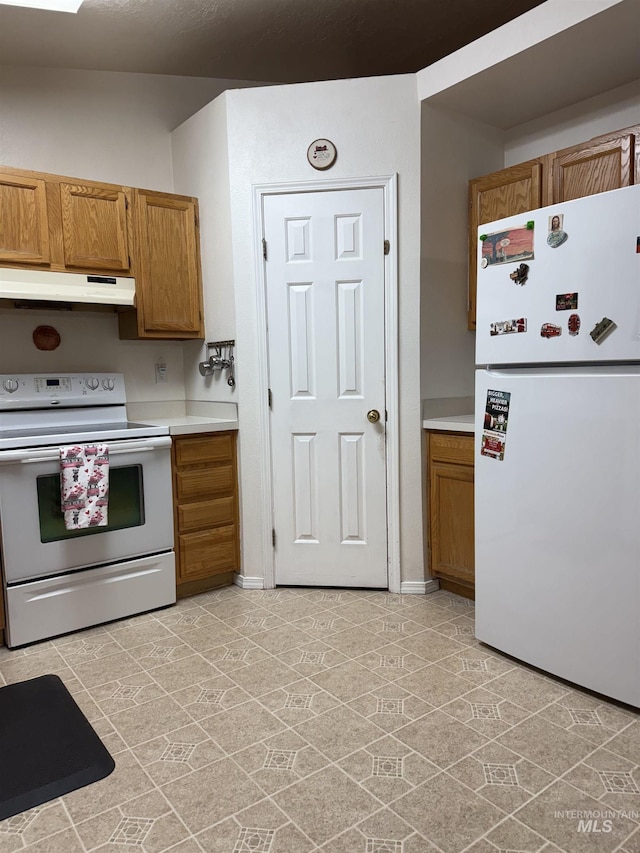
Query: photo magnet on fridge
556	235
507	327
496	416
566	301
507	247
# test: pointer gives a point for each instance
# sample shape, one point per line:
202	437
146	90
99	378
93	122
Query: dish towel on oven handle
84	485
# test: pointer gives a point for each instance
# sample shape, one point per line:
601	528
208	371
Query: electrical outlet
161	371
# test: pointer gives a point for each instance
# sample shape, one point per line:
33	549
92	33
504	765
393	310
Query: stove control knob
10	385
91	383
108	384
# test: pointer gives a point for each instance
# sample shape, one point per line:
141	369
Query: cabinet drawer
450	447
202	483
196	516
204	449
208	553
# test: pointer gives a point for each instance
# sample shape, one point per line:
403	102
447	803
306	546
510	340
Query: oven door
35	542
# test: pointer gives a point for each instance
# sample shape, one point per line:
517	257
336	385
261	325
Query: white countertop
451	423
190	424
186	417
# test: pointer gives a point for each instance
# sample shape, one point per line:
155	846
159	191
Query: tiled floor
300	721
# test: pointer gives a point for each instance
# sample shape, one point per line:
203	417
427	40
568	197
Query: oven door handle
116	448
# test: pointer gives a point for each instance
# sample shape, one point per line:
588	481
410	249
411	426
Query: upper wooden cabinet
58	223
94	227
53	223
504	193
167	262
604	163
592	168
24	223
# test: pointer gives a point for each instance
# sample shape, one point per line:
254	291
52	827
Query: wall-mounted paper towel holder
220	359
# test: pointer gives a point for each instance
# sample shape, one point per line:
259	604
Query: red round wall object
46	338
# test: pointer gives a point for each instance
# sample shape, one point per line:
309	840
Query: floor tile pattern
329	721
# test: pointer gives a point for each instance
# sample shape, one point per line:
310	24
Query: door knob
373	416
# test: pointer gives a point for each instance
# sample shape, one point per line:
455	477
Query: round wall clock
322	154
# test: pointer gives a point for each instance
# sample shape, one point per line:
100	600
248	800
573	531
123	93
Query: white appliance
57	580
52	286
557	464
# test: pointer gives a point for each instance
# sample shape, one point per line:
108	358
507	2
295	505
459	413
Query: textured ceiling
278	41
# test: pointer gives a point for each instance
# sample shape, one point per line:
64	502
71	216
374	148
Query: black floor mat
47	745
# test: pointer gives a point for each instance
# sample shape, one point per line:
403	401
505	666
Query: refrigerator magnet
550	330
520	274
507	247
496	417
573	325
566	301
556	235
602	329
507	327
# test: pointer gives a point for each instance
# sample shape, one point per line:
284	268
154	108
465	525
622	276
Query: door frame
388	184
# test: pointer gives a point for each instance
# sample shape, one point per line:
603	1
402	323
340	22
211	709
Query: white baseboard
419	587
245	582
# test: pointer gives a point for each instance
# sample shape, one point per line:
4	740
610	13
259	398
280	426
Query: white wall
375	126
454	149
101	126
201	168
89	342
611	110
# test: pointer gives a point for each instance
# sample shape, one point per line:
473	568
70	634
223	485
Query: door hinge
264	248
270	397
387	247
273	538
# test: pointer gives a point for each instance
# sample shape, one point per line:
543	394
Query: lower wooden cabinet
205	497
450	510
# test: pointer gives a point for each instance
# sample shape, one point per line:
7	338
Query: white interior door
326	333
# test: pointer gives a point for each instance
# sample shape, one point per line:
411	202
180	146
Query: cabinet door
451	521
451	509
504	193
94	227
168	280
594	167
24	226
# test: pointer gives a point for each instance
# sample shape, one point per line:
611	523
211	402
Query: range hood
45	285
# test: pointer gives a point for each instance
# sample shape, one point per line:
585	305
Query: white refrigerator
557	440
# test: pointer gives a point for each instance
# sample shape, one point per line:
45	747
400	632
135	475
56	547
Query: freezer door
557	522
570	288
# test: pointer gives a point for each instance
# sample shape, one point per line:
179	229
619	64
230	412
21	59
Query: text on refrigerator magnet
602	329
566	301
556	235
520	274
550	330
507	327
502	247
496	416
573	325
